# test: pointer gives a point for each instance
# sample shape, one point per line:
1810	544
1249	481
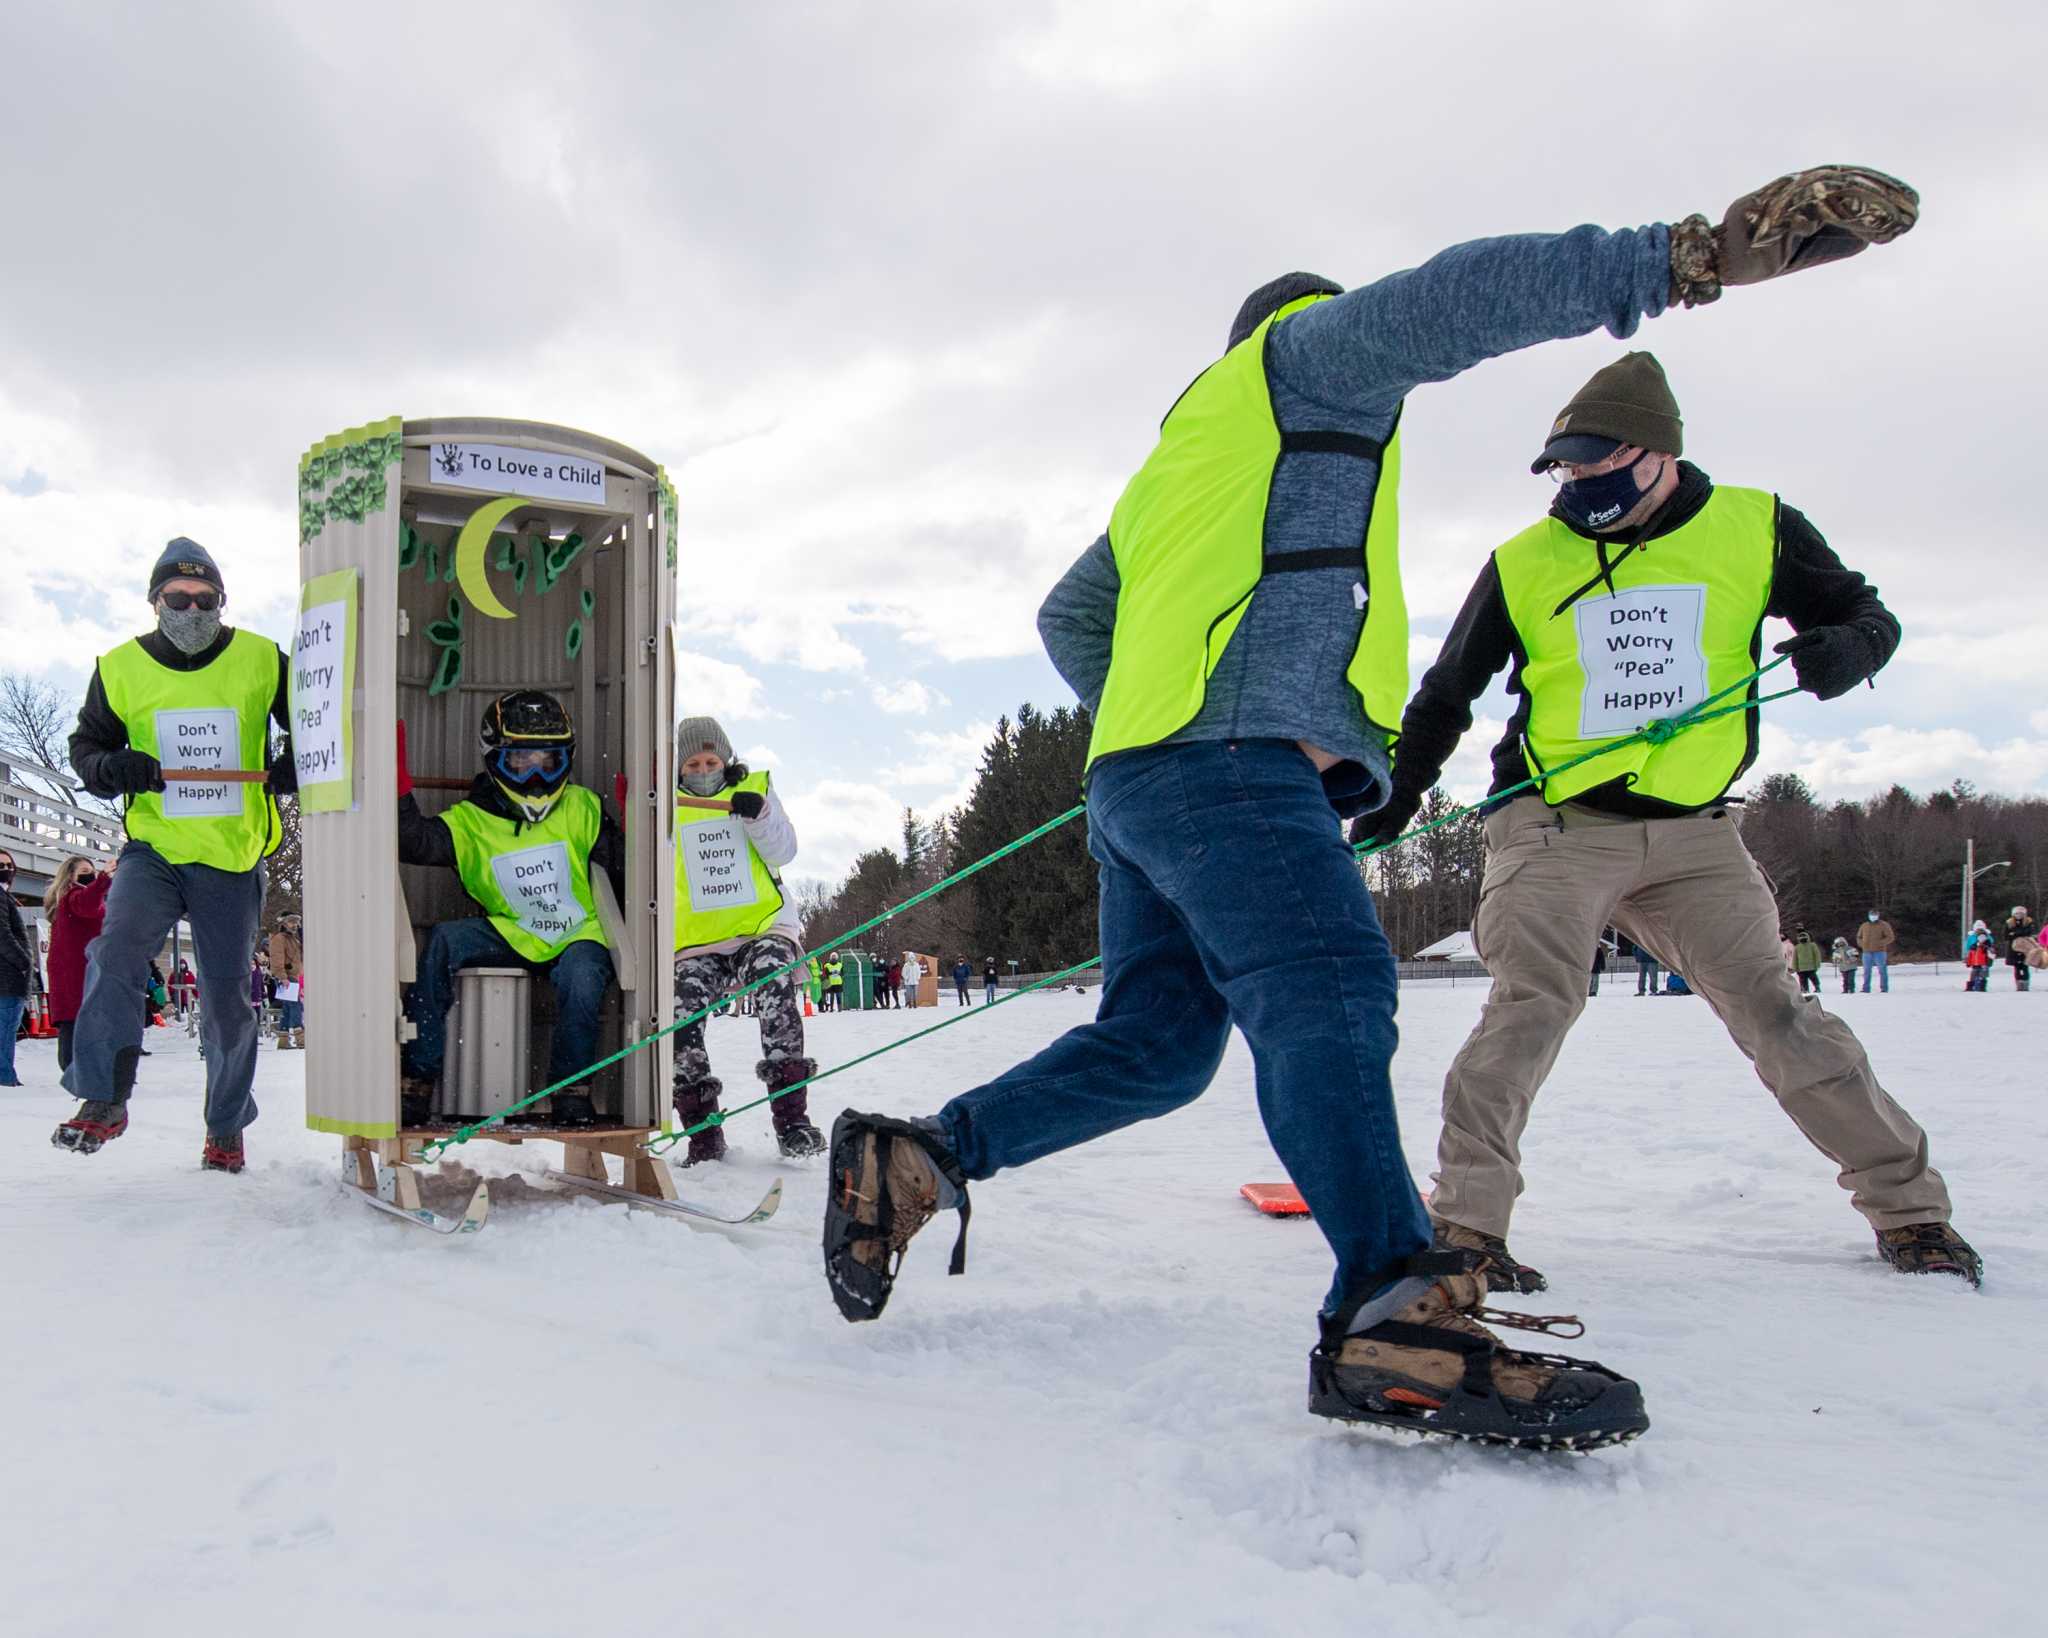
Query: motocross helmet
529	750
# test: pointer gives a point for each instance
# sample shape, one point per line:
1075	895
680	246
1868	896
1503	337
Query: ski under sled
386	1200
762	1211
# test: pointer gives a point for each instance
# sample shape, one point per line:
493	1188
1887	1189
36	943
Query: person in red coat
75	904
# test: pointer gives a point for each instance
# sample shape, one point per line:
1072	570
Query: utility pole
1971	872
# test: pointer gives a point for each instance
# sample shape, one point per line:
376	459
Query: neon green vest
217	716
1188	535
835	975
1680	622
723	889
532	880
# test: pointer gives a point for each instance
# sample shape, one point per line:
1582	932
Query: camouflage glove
1796	222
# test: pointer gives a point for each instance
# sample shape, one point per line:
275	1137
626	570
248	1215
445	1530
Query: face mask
704	784
1873	915
6	872
191	631
1599	503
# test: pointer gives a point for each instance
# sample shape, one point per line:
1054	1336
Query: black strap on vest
1322	442
1327	557
1355	444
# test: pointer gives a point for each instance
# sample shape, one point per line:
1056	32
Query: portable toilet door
444	562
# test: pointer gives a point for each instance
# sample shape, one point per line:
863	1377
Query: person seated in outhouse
523	841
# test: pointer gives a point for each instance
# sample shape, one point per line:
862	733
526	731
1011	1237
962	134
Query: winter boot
223	1152
692	1103
98	1122
1930	1248
574	1108
1496	1262
795	1136
889	1178
1433	1368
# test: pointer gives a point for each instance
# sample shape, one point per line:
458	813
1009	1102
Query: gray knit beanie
1268	299
694	734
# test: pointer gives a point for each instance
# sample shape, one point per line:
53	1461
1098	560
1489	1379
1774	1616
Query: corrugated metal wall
618	686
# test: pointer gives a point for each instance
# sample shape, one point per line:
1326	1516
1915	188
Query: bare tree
35	724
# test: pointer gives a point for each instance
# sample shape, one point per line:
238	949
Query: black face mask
1598	503
6	872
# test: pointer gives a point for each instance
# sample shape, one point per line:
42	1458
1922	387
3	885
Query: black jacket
100	731
1810	587
428	841
17	955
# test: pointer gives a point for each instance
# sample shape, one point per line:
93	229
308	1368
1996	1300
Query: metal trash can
489	1060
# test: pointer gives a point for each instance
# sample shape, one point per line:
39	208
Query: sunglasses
183	600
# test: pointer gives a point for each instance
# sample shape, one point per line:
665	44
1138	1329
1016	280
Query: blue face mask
1598	503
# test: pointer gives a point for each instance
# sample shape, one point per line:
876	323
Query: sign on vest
539	890
200	739
716	861
1643	657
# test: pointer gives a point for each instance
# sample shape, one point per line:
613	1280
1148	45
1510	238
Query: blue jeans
1881	960
11	1009
1228	897
581	974
291	1015
145	902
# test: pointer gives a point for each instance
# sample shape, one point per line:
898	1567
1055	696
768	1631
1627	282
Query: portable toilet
444	562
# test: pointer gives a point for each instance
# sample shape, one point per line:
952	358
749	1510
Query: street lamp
1971	871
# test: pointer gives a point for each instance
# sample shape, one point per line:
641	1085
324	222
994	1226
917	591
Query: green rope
718	1117
1658	731
463	1134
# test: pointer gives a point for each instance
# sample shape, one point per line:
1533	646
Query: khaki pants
1686	890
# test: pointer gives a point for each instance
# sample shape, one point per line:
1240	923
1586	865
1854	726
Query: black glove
132	772
1799	221
284	776
1378	829
1830	660
749	804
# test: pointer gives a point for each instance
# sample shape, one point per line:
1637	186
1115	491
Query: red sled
1276	1199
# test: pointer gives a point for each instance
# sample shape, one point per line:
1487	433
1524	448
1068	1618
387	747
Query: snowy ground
244	1405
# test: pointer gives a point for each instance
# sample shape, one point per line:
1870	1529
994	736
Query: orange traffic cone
807	1006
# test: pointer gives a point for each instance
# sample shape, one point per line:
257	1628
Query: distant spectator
988	980
2019	925
1875	939
76	906
913	975
963	975
1599	966
287	953
17	970
1977	951
1846	962
1806	960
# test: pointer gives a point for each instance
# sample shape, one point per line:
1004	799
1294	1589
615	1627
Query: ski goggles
183	600
530	764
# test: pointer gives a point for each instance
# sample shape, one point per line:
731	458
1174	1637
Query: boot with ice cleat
1433	1368
1930	1248
889	1178
1497	1263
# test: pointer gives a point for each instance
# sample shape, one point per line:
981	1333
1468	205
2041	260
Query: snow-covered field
248	1405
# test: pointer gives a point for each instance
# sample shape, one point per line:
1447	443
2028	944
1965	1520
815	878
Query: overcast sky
899	293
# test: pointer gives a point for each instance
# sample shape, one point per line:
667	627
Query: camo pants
702	979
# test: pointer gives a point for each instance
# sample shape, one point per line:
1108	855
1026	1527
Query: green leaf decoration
449	672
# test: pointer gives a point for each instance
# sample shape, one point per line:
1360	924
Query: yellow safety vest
1188	535
215	717
533	880
723	889
1675	620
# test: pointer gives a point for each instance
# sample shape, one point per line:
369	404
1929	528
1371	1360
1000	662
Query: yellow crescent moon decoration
469	555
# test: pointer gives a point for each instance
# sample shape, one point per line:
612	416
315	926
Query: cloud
1922	760
909	698
717	688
